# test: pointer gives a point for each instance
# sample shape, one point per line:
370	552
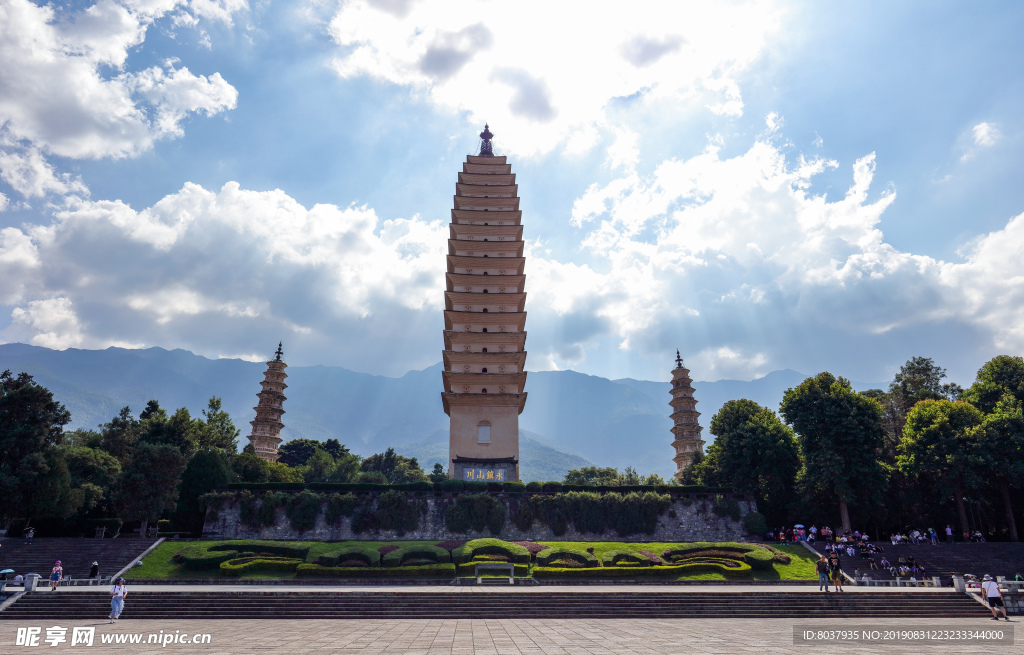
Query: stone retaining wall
687	519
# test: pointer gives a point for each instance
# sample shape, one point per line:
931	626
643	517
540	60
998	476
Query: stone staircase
76	555
81	605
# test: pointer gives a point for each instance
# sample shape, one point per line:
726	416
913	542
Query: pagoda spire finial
485	144
279	351
679	360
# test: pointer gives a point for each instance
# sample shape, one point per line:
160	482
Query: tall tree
297	452
250	467
322	467
1002	446
179	430
940	439
149	483
593	475
31	425
209	469
753	453
1000	375
218	429
92	470
120	435
840	436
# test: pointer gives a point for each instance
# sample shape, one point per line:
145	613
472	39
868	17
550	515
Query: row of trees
150	467
919	453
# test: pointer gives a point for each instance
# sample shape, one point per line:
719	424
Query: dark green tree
92	470
208	469
438	474
395	468
940	439
1000	375
149	483
753	453
297	451
179	430
592	475
217	430
44	487
322	467
1002	447
840	438
249	467
119	436
31	425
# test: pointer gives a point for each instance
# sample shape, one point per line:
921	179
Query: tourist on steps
836	569
822	567
94	571
994	597
117	595
56	575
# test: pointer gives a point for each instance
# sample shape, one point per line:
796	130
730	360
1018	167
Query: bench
495	566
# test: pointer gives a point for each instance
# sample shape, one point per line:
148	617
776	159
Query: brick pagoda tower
485	321
685	427
266	429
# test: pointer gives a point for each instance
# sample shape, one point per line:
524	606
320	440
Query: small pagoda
266	429
485	320
685	427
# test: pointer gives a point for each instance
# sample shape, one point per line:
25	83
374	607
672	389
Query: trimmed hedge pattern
545	557
741	571
425	571
371	556
399	556
243	565
756	556
198	558
281	548
515	553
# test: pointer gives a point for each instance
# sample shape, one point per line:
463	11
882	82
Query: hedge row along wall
333	515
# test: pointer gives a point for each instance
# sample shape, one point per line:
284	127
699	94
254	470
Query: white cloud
66	90
985	135
469	55
50	323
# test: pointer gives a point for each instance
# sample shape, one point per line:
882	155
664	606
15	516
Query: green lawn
158	564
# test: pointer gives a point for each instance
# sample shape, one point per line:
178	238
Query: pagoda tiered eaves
485	318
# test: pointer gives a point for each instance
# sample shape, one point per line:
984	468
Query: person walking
994	597
56	575
29	533
822	567
949	534
94	571
836	571
117	595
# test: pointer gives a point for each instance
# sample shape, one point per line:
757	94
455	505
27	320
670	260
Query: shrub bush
400	556
516	553
759	558
755	523
399	572
545	557
365	554
339	505
247	507
753	555
780	557
589	511
551	486
475	512
396	512
302	510
269	504
450	485
524	517
198	558
534	486
241	566
513	487
727	507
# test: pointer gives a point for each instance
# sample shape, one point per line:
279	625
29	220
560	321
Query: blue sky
763	185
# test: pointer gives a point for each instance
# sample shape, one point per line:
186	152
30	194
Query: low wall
687	519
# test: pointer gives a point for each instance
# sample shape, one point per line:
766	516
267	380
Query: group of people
905	567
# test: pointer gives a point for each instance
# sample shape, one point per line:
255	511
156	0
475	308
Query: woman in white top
117	596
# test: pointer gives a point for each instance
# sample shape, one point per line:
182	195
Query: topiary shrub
368	556
339	505
469	568
551	486
516	553
397	572
199	558
279	548
243	565
534	486
430	554
450	485
780	557
513	487
741	570
759	558
302	510
624	558
580	555
754	555
755	523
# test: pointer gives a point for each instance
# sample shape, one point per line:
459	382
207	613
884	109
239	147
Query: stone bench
495	566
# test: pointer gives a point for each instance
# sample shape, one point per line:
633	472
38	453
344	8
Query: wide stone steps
432	605
76	555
